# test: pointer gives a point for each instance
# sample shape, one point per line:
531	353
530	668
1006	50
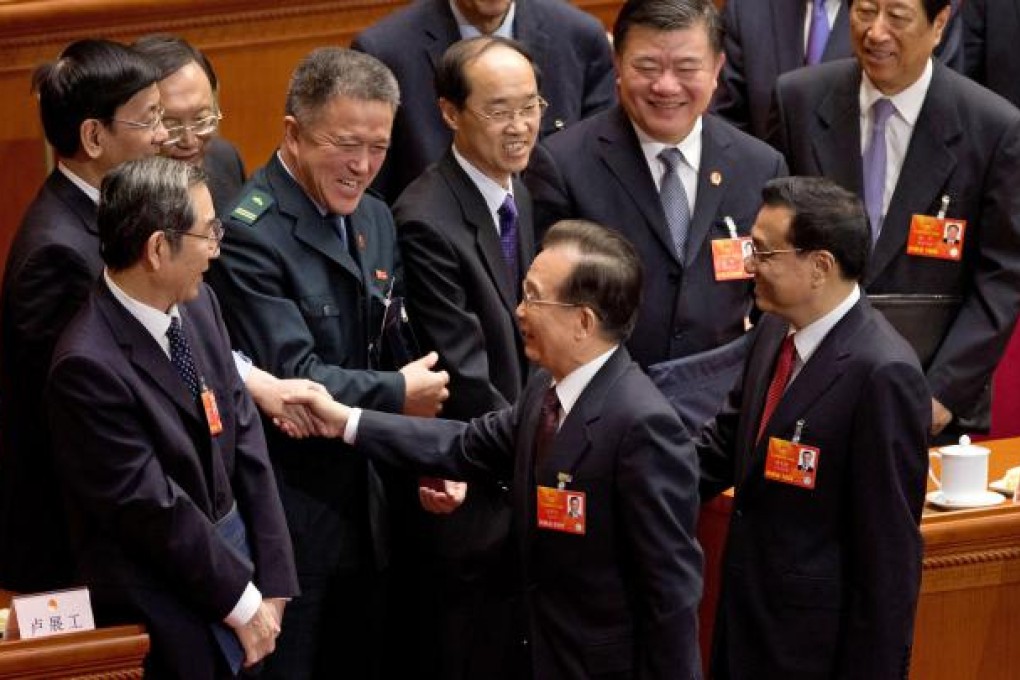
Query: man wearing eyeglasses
668	176
308	264
923	146
822	566
178	522
569	47
189	93
99	106
466	239
612	593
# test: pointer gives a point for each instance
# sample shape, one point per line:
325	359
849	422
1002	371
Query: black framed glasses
761	256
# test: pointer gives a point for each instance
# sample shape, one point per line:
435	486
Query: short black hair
139	198
825	216
170	54
668	15
451	82
90	80
931	7
607	277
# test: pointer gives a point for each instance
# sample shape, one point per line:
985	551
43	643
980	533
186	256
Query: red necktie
548	423
781	376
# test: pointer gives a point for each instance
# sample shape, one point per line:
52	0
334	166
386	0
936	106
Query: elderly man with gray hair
309	264
176	520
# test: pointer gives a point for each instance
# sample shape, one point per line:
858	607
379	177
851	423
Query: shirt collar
907	103
153	320
810	337
570	388
491	191
468	30
90	191
690	147
322	210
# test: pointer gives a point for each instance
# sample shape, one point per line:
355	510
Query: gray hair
331	72
141	197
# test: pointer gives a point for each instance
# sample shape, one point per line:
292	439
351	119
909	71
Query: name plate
56	613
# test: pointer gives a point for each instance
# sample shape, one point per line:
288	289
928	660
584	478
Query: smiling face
894	40
500	79
548	329
337	152
117	141
783	281
187	97
666	79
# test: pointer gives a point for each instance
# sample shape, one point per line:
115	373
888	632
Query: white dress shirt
491	191
690	147
807	339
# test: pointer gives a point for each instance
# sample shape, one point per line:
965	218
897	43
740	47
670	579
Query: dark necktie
818	33
338	225
874	165
180	356
674	200
508	236
780	377
548	423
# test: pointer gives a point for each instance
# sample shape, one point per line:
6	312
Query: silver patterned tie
674	200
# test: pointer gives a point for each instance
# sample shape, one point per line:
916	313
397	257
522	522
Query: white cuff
243	364
245	608
351	429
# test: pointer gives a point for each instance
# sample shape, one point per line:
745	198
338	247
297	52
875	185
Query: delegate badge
937	237
728	256
792	463
212	411
562	510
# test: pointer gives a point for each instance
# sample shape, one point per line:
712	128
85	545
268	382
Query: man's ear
156	249
91	134
451	114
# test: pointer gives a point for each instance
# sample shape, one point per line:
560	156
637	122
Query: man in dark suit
569	47
308	265
991	31
99	106
822	566
612	169
615	592
466	238
177	520
766	38
948	149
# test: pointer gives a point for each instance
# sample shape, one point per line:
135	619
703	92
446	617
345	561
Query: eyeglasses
760	256
216	226
149	125
176	130
532	111
529	299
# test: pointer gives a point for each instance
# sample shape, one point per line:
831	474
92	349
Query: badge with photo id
728	256
562	510
212	411
792	462
937	237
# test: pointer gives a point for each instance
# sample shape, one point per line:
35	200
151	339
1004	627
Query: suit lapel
440	29
715	162
837	144
787	20
75	199
822	371
478	219
929	164
838	45
145	353
620	150
530	31
314	230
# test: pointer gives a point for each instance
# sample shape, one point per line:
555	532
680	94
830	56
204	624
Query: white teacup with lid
964	474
